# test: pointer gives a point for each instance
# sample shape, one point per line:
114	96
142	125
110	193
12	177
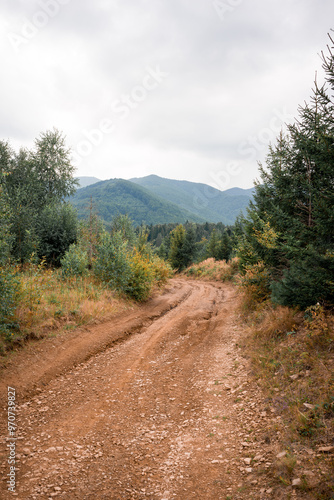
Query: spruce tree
290	223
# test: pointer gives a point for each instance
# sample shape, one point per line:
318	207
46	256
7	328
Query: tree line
185	244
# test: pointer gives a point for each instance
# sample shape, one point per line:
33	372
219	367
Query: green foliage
5	236
141	277
161	270
198	199
289	226
306	281
120	197
176	252
189	246
52	169
124	225
74	262
128	267
112	265
57	230
9	293
89	232
33	180
212	248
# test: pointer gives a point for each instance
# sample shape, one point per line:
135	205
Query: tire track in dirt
152	416
53	357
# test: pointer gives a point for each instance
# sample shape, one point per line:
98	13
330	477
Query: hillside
117	196
87	181
205	201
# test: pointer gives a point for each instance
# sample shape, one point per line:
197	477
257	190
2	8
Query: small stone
247	461
281	455
249	470
296	482
294	377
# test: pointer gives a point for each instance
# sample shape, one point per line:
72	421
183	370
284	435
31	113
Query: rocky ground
159	404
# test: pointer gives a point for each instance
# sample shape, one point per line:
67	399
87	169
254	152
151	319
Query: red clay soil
158	404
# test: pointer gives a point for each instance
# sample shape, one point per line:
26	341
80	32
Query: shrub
112	265
161	270
319	328
56	231
141	278
74	262
275	322
306	282
256	281
9	293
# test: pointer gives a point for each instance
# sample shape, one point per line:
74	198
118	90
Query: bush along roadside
37	299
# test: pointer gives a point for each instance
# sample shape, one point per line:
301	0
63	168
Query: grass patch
292	354
47	302
213	270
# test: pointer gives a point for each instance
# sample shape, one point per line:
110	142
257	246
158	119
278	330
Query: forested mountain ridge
85	181
185	200
118	196
201	199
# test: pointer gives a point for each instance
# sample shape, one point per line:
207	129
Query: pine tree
290	224
177	241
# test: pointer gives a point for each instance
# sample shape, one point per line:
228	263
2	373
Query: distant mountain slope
205	201
87	181
117	196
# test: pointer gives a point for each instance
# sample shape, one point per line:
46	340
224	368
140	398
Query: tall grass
292	354
47	302
215	270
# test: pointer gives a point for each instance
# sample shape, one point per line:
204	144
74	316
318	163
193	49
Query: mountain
87	181
118	196
205	201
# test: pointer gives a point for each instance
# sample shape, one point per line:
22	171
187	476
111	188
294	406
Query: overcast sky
185	89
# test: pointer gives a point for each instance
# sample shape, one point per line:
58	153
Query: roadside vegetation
285	254
54	270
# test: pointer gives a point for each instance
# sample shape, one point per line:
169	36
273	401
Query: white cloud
227	80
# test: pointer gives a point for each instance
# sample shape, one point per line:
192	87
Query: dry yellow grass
48	302
292	353
211	269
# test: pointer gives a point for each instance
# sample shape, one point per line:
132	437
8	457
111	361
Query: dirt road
157	404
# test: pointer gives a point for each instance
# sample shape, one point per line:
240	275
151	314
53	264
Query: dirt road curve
156	404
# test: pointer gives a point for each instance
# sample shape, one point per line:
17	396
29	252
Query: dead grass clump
213	270
48	303
285	467
319	327
292	354
275	322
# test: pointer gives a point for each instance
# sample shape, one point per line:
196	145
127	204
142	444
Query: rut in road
147	417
